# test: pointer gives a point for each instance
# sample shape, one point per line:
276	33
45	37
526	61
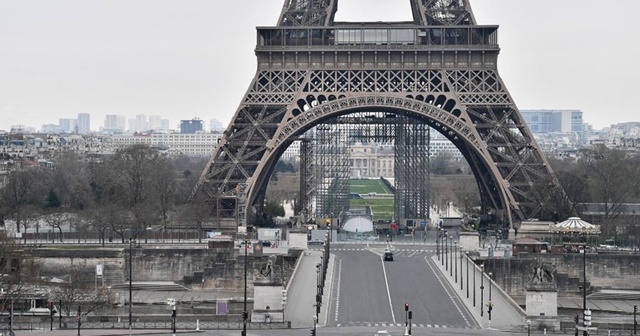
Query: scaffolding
411	161
331	168
330	156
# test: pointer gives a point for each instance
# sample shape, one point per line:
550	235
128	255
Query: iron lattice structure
440	69
332	168
410	139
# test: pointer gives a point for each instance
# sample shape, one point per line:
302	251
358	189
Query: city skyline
181	59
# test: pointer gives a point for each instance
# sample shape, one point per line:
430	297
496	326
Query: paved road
369	292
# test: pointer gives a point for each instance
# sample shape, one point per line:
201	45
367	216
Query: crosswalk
390	325
396	251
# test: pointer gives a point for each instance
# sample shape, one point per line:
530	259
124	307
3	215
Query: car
388	256
382	333
315	242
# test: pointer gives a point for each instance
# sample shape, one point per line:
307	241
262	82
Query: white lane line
412	254
386	281
446	289
338	289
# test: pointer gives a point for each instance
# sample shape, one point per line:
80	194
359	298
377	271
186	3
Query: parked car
315	242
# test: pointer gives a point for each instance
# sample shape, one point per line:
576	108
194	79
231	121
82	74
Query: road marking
446	289
338	290
386	281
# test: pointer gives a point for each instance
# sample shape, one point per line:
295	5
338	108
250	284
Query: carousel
574	232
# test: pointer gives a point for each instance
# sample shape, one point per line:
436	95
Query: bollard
198	325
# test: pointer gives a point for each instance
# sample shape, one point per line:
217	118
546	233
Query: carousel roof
576	225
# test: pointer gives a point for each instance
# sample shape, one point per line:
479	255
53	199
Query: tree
165	187
196	213
17	269
20	190
610	179
136	166
78	288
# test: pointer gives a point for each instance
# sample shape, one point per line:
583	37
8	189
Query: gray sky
194	58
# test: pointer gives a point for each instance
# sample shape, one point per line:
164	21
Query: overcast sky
194	58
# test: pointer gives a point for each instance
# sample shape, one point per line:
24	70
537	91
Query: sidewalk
96	332
301	297
506	314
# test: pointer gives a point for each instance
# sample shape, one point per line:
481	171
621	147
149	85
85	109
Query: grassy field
382	208
368	186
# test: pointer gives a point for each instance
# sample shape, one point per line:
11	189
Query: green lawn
382	208
368	186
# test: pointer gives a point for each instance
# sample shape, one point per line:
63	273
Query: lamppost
438	242
451	259
584	287
446	252
481	290
467	255
318	295
131	243
245	313
461	282
474	283
455	257
490	302
528	327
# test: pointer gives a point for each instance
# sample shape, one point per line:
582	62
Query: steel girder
452	85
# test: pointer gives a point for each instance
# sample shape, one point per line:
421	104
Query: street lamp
528	327
461	282
455	256
446	252
245	313
131	243
490	302
451	259
474	283
584	286
438	242
318	295
467	254
481	290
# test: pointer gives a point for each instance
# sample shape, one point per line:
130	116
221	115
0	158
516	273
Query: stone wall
603	271
199	268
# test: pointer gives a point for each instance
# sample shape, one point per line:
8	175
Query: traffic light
406	307
576	319
635	309
586	319
411	315
313	332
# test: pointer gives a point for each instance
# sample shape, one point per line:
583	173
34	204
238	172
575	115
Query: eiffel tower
440	69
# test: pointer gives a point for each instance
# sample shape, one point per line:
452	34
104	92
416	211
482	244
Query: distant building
155	123
68	125
555	121
114	124
84	123
216	126
165	125
190	126
195	145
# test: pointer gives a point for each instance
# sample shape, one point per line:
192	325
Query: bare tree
610	178
19	191
165	187
56	221
136	166
196	213
18	269
77	288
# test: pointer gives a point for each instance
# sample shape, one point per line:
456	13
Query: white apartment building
195	145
